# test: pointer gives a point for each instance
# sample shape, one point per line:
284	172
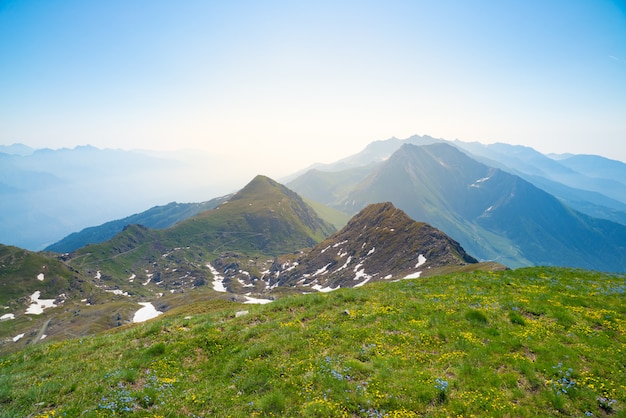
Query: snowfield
147	312
218	280
38	305
250	300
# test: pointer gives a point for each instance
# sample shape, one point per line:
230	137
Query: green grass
523	343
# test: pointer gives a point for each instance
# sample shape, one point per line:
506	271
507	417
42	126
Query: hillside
524	343
31	286
379	243
156	218
263	219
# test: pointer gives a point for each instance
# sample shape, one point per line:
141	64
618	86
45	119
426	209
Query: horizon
279	86
175	150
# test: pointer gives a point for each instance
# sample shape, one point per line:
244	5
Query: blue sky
274	86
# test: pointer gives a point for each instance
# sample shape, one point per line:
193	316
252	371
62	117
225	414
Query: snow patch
40	277
415	275
363	282
360	274
370	252
387	277
323	270
6	317
98	275
18	337
319	288
118	292
218	280
132	278
324	250
477	182
420	260
38	305
291	266
250	300
147	312
244	284
344	264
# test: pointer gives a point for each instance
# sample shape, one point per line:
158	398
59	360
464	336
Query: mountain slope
380	243
584	186
34	288
493	214
157	217
530	342
262	219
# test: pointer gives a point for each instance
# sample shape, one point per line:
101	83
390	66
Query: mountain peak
260	187
379	243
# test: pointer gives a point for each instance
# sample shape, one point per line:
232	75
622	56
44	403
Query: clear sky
277	85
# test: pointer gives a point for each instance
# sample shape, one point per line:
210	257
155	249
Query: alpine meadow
351	209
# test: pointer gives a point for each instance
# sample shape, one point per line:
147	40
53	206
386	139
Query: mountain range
48	194
416	208
244	249
494	214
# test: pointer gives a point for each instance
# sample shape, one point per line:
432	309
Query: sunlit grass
524	343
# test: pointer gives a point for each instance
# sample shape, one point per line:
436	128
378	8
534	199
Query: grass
524	343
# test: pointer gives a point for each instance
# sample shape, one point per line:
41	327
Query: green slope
523	343
263	218
156	217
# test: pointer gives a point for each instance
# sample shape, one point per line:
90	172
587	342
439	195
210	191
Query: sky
274	86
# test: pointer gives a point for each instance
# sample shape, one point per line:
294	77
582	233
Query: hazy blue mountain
583	172
373	153
595	166
329	187
16	149
600	198
493	214
47	194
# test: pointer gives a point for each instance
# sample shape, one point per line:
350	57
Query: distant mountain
328	187
597	167
156	218
581	190
493	214
379	243
16	149
47	194
591	179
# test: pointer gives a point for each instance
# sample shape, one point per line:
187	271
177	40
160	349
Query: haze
274	86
